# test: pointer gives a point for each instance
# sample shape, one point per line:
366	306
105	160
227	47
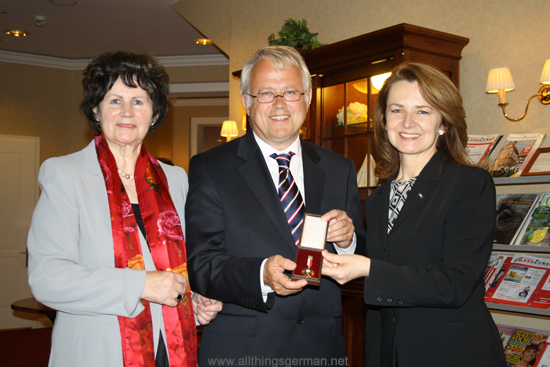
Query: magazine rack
522	184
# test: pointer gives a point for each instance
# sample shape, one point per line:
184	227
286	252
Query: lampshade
545	77
244	123
378	80
500	78
362	86
229	129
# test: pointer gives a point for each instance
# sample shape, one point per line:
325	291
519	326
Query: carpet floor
25	348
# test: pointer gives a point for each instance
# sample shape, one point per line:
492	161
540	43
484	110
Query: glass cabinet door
346	118
358	103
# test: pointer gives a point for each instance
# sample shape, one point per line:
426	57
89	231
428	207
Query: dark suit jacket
235	220
425	290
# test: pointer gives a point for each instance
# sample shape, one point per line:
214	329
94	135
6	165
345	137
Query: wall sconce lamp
229	129
500	81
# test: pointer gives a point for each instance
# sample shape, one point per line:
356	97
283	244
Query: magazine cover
542	298
492	268
525	275
523	347
489	269
500	269
481	146
536	230
512	210
505	333
543	359
515	153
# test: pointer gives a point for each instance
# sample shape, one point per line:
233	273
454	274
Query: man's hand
206	309
340	227
275	277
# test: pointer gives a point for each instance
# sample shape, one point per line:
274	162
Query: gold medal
308	272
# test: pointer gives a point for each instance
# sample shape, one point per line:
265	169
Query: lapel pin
420	195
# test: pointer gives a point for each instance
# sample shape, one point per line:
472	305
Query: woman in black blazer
429	232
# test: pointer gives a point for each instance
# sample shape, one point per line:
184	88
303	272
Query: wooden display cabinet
344	97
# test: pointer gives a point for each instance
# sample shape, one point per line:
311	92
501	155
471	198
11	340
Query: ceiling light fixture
40	20
17	33
203	41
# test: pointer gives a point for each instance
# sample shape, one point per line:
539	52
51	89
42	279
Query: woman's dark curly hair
135	70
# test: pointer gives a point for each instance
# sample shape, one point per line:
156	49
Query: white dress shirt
297	171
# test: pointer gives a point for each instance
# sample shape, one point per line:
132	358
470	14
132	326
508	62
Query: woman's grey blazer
71	260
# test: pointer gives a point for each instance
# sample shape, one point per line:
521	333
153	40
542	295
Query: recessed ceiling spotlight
63	2
40	20
203	41
17	33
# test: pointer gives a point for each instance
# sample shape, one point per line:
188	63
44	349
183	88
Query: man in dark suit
241	240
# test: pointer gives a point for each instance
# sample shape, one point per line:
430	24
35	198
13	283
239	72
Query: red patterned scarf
165	238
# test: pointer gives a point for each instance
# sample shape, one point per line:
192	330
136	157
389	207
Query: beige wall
44	102
38	101
501	33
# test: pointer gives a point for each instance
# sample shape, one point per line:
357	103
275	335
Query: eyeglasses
268	97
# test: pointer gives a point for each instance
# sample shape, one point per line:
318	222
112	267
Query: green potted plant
295	34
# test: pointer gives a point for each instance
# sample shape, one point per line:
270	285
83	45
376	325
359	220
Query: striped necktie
291	199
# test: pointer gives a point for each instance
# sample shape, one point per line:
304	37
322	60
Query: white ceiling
92	27
73	35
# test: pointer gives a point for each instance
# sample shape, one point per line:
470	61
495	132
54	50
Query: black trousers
161	360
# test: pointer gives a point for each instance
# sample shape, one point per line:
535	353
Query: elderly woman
429	232
106	244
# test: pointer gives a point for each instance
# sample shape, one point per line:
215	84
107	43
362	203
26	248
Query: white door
19	160
197	125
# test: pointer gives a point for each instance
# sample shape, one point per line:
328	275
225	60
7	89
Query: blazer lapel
422	190
314	179
92	179
381	211
257	176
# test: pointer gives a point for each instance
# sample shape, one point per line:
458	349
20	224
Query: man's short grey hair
280	56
